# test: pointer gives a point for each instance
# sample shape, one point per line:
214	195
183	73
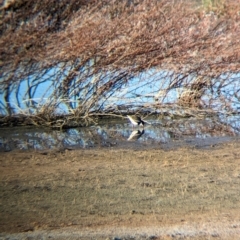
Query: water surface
164	133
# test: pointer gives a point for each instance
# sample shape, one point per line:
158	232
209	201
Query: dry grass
94	48
99	189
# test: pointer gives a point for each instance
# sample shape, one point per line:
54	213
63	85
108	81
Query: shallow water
166	133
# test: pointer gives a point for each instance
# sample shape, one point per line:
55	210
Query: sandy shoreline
185	193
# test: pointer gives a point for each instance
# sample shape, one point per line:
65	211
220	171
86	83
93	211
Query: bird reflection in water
135	135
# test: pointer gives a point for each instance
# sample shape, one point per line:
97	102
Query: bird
136	120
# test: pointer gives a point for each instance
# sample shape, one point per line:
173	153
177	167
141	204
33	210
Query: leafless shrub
89	50
193	94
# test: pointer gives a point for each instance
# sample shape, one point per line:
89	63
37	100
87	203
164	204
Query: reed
91	53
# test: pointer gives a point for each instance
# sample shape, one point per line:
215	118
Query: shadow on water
166	133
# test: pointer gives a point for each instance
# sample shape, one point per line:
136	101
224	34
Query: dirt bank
183	193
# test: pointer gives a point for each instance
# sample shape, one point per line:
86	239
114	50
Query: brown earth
185	193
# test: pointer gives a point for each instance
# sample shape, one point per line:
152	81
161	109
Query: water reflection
135	135
118	134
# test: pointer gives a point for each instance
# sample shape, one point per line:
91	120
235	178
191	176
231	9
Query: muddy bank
183	192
